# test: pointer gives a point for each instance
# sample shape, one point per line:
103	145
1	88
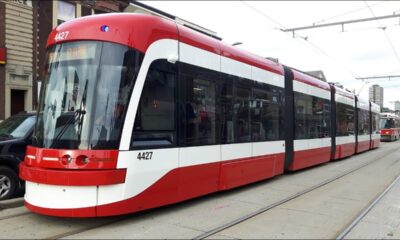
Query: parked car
15	135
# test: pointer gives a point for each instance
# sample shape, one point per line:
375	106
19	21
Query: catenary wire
313	45
383	28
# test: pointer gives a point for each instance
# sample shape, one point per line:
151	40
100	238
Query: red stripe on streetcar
248	170
307	158
363	146
345	150
71	177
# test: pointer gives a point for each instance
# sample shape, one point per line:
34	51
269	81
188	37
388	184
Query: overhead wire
346	13
384	28
319	50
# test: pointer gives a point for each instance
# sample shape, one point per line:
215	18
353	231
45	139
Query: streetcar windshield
85	95
386	123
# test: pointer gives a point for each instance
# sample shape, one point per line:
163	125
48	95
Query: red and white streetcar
390	127
137	112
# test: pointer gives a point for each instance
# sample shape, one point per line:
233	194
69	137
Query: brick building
17	68
24	28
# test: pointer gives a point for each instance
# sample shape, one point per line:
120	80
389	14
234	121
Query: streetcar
138	112
389	127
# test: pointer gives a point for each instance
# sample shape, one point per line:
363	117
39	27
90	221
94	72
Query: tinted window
363	122
226	106
267	113
197	105
241	110
375	122
344	119
155	123
312	116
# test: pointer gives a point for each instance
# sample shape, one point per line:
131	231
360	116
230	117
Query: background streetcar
389	126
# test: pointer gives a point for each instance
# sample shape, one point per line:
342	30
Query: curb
11	203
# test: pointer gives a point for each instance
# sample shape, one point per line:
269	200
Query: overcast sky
362	50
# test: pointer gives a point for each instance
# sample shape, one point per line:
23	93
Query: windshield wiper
78	117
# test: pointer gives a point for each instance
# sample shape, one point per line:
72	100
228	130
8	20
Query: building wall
2	67
397	105
376	95
19	43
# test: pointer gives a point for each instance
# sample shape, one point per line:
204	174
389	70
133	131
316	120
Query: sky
366	49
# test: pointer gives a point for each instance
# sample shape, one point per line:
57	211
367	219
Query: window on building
66	11
155	124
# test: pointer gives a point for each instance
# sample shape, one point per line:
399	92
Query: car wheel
8	183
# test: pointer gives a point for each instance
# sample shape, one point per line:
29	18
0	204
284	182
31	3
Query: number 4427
145	155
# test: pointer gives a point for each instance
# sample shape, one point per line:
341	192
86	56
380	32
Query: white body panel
311	90
236	151
267	148
236	68
190	156
60	197
306	144
345	140
345	100
260	75
376	136
363	105
363	138
198	57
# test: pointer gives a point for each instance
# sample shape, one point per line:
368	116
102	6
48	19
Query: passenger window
197	106
267	113
241	108
312	117
155	124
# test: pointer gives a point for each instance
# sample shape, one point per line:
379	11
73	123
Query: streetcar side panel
312	120
375	133
345	124
363	126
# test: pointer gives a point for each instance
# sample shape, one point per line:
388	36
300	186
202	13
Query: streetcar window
375	122
312	117
155	118
363	122
241	109
344	119
267	113
226	104
197	103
